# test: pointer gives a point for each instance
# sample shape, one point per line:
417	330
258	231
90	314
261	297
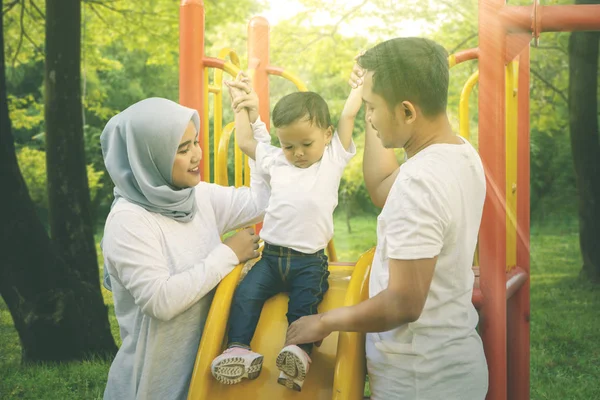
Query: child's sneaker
235	364
293	362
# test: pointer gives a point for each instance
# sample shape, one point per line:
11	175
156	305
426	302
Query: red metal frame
191	53
258	56
504	34
492	235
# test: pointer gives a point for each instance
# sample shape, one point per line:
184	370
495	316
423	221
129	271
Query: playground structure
501	293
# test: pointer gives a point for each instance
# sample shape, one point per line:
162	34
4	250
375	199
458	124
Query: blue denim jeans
281	269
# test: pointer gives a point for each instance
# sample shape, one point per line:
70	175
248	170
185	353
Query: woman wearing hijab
163	254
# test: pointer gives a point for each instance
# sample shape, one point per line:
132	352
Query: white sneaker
235	364
293	362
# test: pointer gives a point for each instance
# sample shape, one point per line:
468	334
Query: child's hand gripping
354	101
242	96
352	105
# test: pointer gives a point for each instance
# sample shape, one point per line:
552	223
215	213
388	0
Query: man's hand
309	329
354	101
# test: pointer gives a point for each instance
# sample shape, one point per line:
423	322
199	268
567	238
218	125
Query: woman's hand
245	97
244	244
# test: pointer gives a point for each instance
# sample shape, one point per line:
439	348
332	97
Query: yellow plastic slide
338	367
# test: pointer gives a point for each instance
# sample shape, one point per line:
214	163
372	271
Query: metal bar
512	74
271	70
258	53
519	306
463	107
492	148
191	52
204	123
569	18
221	155
218	101
258	61
295	80
462	56
514	281
556	18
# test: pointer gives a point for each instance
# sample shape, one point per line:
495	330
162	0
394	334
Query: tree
51	286
129	52
585	142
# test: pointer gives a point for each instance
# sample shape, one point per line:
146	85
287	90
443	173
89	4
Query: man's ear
406	111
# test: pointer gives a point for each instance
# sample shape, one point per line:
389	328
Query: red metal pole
519	306
492	148
466	55
191	52
559	18
569	18
258	58
258	52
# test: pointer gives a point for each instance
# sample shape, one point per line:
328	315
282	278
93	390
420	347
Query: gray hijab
139	147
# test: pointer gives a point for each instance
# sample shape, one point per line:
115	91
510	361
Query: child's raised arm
351	108
245	106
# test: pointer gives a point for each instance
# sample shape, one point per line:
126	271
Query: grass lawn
565	326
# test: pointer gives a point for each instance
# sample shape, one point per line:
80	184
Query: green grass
565	359
565	326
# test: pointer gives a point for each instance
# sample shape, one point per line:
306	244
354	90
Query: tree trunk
55	301
69	202
585	144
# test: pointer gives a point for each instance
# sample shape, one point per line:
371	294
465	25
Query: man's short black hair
410	69
301	105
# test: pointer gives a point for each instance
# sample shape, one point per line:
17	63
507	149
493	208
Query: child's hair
299	105
410	69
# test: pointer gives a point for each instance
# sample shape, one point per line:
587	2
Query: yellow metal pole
295	80
204	122
512	108
218	85
221	155
463	124
463	108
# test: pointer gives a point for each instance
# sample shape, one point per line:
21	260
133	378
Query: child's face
186	167
303	143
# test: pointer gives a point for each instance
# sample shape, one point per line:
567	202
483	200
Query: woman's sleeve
133	253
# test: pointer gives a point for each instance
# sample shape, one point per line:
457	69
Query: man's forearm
379	164
378	314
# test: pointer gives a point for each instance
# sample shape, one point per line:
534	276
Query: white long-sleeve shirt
163	273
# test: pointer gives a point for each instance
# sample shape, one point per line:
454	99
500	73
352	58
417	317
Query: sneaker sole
291	365
289	383
232	370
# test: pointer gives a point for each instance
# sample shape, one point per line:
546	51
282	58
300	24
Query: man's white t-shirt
433	209
300	210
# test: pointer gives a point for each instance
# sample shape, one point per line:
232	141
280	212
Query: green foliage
33	168
130	51
25	112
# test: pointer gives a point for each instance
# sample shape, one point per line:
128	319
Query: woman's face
186	167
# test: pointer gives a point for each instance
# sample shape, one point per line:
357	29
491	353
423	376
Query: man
421	342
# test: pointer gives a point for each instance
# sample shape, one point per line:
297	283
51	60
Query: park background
130	51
